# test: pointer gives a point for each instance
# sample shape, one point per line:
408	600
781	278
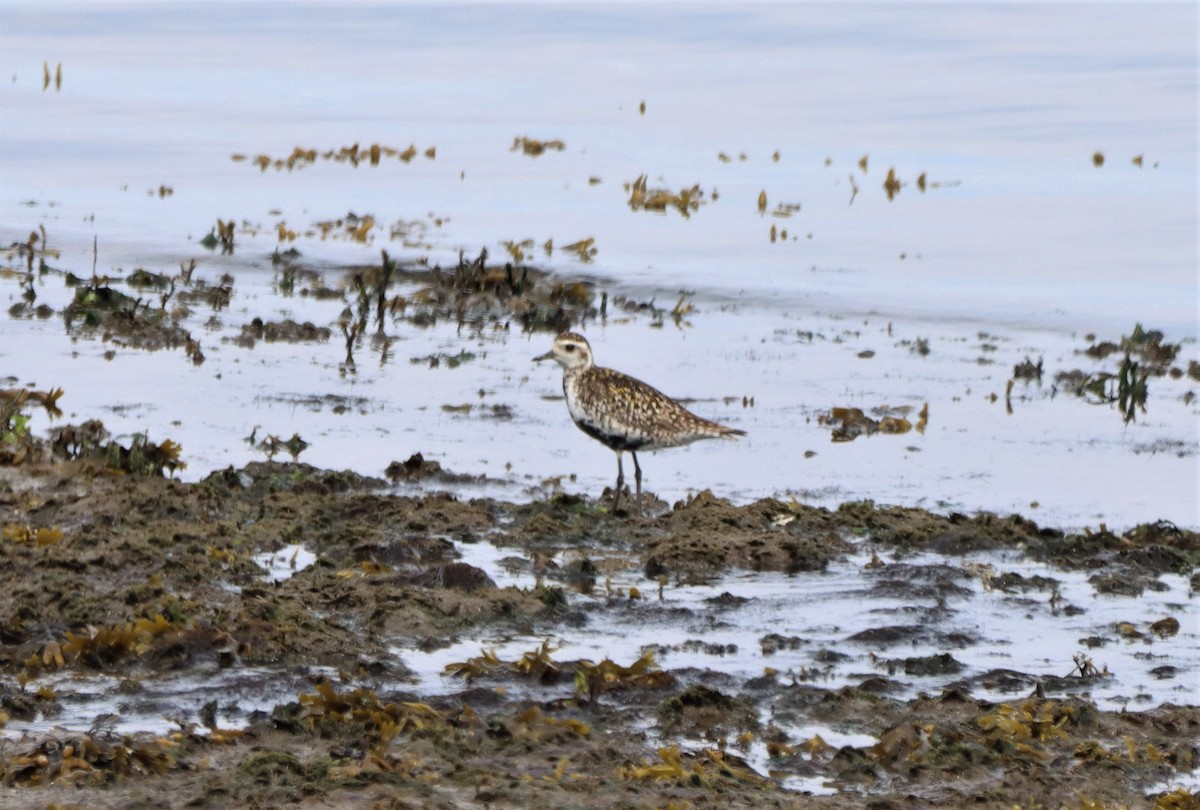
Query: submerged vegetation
850	423
147	318
130	322
353	155
150	312
88	442
1145	354
657	200
16	443
534	147
473	293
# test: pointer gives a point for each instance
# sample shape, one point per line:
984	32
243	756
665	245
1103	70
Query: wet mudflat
279	634
329	237
865	254
272	633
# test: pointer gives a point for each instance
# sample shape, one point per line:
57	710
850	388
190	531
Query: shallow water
982	627
745	624
284	563
162	703
715	633
1025	240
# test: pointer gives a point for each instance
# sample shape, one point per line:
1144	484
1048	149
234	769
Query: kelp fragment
273	445
1084	667
436	359
891	185
533	147
90	440
1128	387
381	720
93	758
517	249
1165	628
353	154
476	292
483	664
585	249
97	309
1028	370
536	664
36	246
850	423
1023	730
1148	345
17	445
222	235
657	200
43	536
702	768
100	647
362	228
534	726
592	680
46	77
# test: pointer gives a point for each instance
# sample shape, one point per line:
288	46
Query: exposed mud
140	578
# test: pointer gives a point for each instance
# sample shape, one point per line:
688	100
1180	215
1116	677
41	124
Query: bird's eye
570	347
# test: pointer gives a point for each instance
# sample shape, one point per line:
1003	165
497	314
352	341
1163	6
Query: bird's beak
547	356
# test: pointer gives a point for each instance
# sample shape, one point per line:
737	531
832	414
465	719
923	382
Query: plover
622	412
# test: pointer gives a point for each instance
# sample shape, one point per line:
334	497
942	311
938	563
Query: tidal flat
289	517
279	635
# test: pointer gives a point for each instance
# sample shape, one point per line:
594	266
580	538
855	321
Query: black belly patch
617	441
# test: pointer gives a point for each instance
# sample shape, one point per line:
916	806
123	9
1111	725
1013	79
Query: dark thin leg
620	482
637	476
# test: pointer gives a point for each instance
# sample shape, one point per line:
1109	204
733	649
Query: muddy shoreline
138	578
978	315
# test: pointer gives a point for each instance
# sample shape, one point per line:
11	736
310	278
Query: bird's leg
637	476
620	483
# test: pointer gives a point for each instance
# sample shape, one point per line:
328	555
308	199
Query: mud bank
296	685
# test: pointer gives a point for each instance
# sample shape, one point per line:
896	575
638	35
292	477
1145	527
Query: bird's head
570	350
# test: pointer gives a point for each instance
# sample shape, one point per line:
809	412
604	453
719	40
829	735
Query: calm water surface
1019	246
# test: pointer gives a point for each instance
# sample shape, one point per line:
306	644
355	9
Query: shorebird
622	412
